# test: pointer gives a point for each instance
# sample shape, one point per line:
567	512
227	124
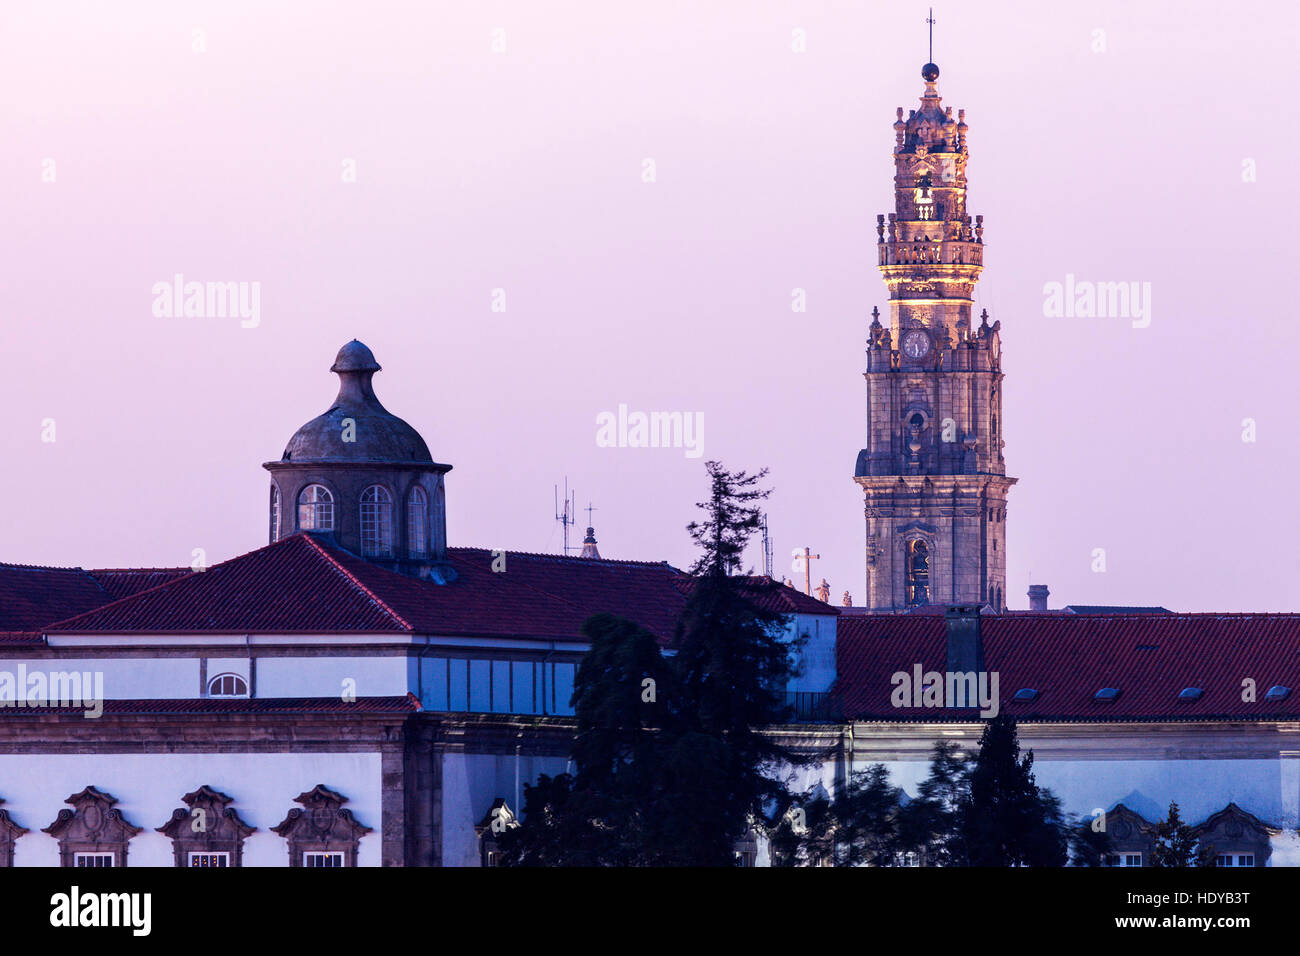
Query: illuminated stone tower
932	472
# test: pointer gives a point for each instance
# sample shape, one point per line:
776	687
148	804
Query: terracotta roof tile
1067	658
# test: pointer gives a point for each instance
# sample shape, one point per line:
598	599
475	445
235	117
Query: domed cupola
375	435
364	476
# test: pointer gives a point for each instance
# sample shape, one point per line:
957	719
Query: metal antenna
566	517
930	21
767	549
589	510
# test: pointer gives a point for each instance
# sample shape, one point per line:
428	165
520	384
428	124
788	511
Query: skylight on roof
1026	694
1106	694
1190	693
1277	692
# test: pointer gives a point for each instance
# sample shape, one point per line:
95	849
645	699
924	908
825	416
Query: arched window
275	513
417	522
376	521
227	685
918	572
316	509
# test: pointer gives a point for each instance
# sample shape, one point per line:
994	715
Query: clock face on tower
915	344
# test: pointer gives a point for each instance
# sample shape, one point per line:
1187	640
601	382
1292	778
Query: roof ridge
355	580
42	567
567	557
182	568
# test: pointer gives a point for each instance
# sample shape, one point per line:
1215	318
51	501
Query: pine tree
1177	845
611	811
674	772
1006	820
731	666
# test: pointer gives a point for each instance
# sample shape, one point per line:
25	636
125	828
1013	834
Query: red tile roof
773	596
1067	658
31	597
305	585
123	582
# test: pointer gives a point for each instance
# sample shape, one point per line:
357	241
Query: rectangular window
209	859
564	674
458	684
1235	859
322	859
1122	859
521	687
480	686
435	683
93	859
500	687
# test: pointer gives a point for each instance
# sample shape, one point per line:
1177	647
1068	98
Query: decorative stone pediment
9	833
1234	831
321	826
94	825
207	824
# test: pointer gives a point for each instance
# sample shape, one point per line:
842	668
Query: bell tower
932	473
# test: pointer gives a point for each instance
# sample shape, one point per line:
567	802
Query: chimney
965	650
1038	597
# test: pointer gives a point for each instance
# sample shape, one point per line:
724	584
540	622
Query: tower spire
930	20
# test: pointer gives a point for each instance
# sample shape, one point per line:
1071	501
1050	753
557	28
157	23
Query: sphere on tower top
929	73
355	357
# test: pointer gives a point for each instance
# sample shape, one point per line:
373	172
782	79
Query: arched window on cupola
918	572
417	522
376	522
315	509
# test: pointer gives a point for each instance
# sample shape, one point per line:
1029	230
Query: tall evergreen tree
613	810
731	664
1006	819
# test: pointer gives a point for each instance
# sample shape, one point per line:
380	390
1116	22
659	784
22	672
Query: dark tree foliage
731	666
675	776
618	697
929	826
563	827
1006	820
806	833
866	819
1177	845
1089	845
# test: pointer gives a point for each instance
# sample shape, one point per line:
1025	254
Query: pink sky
522	171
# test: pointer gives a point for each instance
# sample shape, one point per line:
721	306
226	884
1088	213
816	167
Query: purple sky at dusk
522	171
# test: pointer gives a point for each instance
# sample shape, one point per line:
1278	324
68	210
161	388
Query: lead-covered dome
356	428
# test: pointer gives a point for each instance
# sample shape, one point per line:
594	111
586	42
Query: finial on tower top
930	72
